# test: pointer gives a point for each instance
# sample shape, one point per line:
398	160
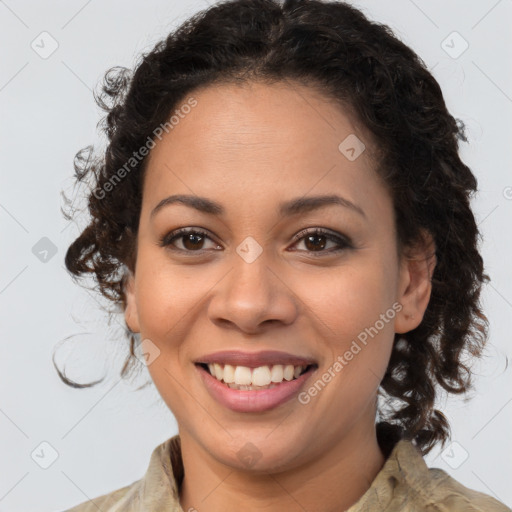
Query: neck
333	481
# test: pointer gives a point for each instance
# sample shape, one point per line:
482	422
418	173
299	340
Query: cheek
356	318
167	295
353	296
169	299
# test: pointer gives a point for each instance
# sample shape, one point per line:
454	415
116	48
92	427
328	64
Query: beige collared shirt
404	484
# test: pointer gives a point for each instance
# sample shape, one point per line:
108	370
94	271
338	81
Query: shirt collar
404	463
405	468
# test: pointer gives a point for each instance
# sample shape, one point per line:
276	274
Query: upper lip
255	359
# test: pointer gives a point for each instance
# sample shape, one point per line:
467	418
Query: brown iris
314	246
194	239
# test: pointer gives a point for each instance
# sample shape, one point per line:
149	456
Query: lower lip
253	401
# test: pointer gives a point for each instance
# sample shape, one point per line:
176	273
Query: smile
244	389
261	377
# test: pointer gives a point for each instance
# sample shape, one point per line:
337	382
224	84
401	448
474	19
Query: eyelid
344	242
165	240
341	240
320	231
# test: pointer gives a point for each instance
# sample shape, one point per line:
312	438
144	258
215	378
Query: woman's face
246	282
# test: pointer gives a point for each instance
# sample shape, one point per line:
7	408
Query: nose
251	297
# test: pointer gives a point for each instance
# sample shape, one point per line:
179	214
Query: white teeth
218	370
276	374
288	372
250	388
261	376
242	377
229	373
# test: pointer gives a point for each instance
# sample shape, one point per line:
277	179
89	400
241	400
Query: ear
130	313
415	283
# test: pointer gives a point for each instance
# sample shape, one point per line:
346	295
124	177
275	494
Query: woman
283	217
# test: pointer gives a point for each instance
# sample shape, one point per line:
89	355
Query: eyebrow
286	209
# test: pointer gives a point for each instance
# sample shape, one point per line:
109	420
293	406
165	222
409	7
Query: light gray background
105	435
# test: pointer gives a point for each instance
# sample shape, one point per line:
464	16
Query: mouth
244	378
254	389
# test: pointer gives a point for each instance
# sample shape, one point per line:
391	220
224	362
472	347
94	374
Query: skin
250	147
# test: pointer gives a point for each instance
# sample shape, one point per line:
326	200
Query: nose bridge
253	291
252	278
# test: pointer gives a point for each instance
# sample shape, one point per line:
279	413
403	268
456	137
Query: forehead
266	139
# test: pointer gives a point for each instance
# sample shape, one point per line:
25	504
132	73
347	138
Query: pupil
315	245
190	237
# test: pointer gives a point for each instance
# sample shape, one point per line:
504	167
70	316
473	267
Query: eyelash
344	242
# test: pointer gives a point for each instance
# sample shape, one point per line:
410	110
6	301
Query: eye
316	239
191	239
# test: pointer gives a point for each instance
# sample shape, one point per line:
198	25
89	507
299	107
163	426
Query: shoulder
123	496
449	494
156	490
433	489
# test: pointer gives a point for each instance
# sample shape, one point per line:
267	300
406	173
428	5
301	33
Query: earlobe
415	287
130	313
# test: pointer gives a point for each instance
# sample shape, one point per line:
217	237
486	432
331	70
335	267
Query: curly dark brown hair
360	64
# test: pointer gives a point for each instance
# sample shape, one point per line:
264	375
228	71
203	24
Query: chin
258	452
